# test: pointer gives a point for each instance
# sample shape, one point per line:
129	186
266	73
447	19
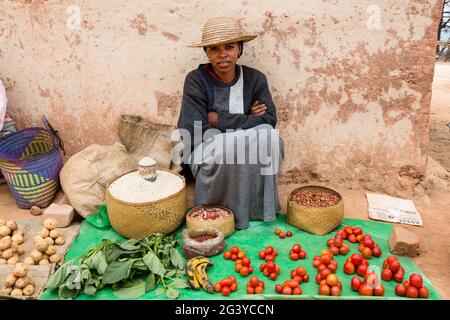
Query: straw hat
222	30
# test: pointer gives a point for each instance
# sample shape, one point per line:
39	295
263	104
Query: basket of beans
217	217
315	209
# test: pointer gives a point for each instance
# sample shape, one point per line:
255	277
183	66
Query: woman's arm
243	121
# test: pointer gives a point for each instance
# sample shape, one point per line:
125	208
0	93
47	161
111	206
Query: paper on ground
391	209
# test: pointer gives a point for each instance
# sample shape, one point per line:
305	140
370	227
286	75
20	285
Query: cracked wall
351	80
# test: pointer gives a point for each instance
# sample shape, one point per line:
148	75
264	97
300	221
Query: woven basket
139	220
318	221
226	226
30	160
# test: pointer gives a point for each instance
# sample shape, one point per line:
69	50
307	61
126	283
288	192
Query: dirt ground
434	259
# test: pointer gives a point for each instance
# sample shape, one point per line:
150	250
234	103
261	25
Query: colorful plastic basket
30	161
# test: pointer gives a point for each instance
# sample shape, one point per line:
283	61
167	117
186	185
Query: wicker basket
315	220
139	220
226	226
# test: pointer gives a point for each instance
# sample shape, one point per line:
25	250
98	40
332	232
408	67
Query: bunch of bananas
196	271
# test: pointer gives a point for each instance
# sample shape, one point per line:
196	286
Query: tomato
261	284
244	271
294	256
400	290
366	253
379	290
335	291
305	278
330	242
227	255
287	290
348	230
289	234
277	269
254	281
291	283
349	268
262	266
296	248
398	276
368	243
321	268
293	273
250	270
358	231
365	262
332	267
324	290
259	290
266	272
365	290
261	254
338	241
332	280
412	292
282	235
423	293
316	263
238	267
371	278
269	257
226	291
318	278
250	290
386	275
359	238
279	288
352	238
297	291
246	262
300	271
227	282
241	254
273	276
391	259
234	250
324	274
269	250
297	278
343	250
325	259
277	231
416	280
356	283
302	254
234	257
275	252
361	270
406	284
271	266
217	287
334	250
233	287
376	252
232	278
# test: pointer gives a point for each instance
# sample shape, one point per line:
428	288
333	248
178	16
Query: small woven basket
226	226
315	220
139	220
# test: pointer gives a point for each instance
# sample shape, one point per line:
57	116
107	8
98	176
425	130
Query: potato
36	256
20	250
6	291
5	244
18	231
50	224
8	253
50	241
12	225
38	238
2	222
29	261
60	240
20	270
10	280
14	259
41	245
3	261
44	233
54	234
55	258
28	290
45	256
43	261
21	283
4	231
50	250
17	238
16	292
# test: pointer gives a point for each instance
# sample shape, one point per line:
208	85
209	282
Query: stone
403	242
62	213
35	211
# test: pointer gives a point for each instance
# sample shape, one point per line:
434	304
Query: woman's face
223	57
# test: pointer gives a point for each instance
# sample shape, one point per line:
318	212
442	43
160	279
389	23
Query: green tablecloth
252	240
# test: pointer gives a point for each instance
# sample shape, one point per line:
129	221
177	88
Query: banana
200	274
191	267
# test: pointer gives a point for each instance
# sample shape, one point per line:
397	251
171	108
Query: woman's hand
213	118
258	109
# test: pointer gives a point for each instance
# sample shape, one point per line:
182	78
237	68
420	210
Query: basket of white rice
138	208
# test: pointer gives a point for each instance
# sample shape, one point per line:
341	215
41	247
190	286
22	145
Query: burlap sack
85	175
143	138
